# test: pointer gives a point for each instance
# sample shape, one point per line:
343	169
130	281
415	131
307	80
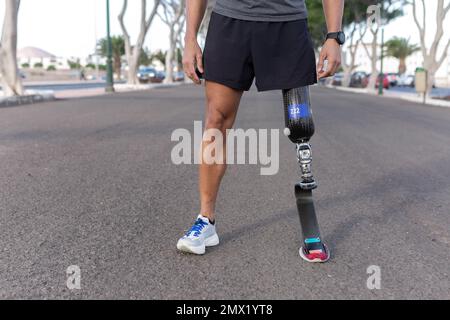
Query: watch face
341	37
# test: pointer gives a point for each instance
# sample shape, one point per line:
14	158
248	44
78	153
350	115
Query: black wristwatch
338	36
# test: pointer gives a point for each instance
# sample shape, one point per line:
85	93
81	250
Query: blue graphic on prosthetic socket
298	111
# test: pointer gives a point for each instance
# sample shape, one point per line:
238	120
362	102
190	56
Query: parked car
406	81
147	74
393	78
386	84
178	76
337	79
160	76
357	79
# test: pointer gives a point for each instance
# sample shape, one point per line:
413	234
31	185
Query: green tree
145	58
354	19
180	58
118	50
90	66
159	56
401	49
429	44
354	13
316	22
389	11
355	27
74	65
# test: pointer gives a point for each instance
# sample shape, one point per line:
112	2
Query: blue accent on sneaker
197	227
312	240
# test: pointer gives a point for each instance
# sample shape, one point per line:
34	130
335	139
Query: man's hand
331	51
192	59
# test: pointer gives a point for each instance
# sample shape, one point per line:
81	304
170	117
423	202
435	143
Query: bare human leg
222	104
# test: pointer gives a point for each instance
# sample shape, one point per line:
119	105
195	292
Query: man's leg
222	104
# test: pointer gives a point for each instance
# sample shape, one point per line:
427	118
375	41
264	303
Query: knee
215	119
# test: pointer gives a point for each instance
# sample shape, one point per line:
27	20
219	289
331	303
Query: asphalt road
90	182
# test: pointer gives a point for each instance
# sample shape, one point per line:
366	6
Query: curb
429	102
25	100
121	88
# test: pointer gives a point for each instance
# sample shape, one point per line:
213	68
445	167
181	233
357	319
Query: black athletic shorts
280	55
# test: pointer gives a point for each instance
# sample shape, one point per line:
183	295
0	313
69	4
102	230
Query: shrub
74	65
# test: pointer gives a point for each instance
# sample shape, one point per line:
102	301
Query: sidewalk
399	95
34	96
30	97
123	87
60	82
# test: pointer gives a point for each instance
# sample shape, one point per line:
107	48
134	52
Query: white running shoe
201	235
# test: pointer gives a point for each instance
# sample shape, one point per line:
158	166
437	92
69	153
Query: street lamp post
381	83
98	50
109	77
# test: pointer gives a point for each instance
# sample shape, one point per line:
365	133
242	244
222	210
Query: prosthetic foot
300	129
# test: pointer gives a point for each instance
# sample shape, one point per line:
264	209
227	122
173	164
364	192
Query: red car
393	78
386	83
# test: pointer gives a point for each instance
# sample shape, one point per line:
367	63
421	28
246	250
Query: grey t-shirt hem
269	18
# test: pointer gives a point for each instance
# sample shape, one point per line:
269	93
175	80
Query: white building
95	59
33	56
363	63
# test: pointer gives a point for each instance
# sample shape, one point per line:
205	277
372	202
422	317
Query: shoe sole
199	250
302	255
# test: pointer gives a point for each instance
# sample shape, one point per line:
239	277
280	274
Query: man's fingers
322	71
325	74
338	65
186	67
189	70
335	64
192	74
199	58
332	67
320	64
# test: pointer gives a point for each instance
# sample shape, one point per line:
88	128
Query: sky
69	28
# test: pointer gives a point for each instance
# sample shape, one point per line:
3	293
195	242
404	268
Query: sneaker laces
197	228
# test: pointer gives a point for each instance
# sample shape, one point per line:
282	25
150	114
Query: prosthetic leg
300	129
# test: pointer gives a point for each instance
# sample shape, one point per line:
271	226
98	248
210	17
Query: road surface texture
90	182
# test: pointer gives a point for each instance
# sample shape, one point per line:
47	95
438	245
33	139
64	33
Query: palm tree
144	58
401	49
118	50
159	56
